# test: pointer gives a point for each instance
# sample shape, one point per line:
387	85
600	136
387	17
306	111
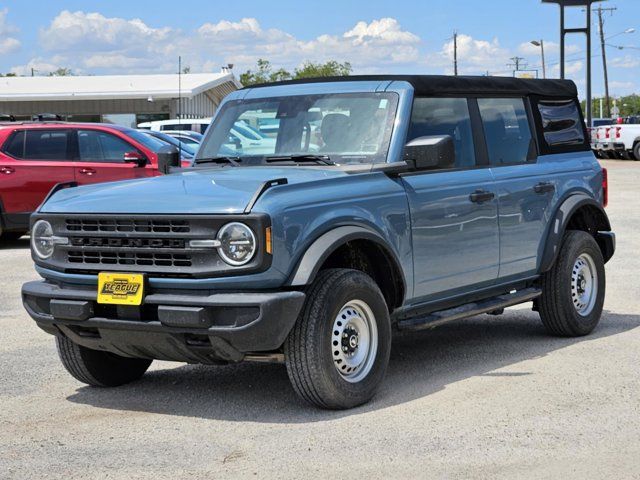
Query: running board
469	310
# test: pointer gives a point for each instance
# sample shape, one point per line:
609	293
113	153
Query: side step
469	310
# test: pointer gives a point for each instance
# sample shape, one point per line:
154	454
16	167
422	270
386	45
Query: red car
34	157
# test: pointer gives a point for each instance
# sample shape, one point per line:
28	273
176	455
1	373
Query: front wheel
338	350
98	368
573	290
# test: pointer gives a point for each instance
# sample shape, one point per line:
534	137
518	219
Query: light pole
540	44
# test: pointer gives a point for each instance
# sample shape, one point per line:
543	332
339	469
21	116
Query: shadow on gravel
421	363
14	243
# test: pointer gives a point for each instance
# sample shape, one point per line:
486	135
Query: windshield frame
400	95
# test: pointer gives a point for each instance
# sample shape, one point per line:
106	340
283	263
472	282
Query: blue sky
375	36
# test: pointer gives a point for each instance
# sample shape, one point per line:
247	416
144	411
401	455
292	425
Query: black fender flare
558	226
308	266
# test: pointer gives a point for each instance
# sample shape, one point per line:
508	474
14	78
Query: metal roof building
122	99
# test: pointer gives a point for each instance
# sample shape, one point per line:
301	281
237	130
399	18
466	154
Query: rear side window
45	145
506	129
15	145
445	116
561	123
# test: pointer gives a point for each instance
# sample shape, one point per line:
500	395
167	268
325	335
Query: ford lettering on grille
127	242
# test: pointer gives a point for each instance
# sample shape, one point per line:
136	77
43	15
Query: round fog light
237	243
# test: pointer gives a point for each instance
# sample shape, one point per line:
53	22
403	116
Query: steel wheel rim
584	284
354	341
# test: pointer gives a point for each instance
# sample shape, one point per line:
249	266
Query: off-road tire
557	310
97	368
308	348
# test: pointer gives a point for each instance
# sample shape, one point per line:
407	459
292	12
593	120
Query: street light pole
540	44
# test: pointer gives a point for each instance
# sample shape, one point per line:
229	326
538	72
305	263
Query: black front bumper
191	328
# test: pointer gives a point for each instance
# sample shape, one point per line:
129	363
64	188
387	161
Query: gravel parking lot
489	397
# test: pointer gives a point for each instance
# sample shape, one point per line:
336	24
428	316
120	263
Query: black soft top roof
460	85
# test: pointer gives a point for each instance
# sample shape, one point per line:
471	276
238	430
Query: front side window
561	122
445	116
506	129
346	128
46	145
97	146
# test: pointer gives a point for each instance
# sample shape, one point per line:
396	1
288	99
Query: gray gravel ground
489	397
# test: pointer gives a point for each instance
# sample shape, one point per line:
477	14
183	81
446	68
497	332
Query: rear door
526	188
100	158
33	162
454	213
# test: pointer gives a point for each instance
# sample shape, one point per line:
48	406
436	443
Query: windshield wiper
235	161
322	159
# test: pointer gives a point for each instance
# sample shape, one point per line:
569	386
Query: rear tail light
605	187
606	132
618	132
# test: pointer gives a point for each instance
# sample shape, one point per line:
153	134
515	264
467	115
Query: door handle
544	187
87	171
481	196
7	170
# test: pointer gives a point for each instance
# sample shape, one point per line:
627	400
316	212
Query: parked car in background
596	123
34	157
198	125
621	141
186	136
187	151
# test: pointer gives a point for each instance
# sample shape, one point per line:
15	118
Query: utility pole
516	64
455	53
600	11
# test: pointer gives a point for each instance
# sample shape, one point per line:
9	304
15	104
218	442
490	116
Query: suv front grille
127	225
129	258
158	245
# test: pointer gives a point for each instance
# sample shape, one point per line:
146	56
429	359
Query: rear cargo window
15	145
561	122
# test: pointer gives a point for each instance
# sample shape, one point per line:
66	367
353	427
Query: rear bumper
190	328
610	146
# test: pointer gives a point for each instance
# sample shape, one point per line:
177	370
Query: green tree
263	72
327	69
628	105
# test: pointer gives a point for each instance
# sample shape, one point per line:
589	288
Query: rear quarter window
561	123
14	146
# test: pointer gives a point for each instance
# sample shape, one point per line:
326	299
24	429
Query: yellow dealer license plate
120	288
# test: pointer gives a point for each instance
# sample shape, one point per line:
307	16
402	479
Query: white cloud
98	44
8	43
475	56
627	61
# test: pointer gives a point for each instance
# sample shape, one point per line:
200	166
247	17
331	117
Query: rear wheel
636	151
98	368
338	350
573	290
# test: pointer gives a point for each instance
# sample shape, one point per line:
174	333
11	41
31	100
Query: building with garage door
122	99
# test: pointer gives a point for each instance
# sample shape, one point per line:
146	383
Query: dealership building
122	99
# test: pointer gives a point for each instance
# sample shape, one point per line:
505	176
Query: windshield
152	143
343	128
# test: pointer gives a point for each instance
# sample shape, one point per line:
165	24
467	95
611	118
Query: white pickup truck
618	141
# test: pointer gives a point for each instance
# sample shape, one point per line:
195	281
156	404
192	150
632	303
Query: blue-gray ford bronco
363	205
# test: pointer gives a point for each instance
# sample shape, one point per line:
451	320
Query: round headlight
237	243
42	240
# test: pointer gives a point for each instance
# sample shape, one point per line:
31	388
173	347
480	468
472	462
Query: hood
223	190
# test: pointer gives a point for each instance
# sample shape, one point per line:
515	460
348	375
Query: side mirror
135	157
168	158
432	152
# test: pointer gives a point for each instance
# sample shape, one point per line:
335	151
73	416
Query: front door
101	158
454	213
